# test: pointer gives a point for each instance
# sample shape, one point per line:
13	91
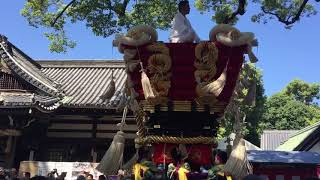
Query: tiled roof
84	81
26	68
27	100
18	73
271	139
293	157
299	138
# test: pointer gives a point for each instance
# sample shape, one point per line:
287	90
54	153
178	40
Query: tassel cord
124	116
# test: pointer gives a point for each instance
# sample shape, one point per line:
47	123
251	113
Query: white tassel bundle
112	160
238	165
146	86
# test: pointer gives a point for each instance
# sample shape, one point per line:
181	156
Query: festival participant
102	177
90	177
182	30
2	174
216	172
145	168
14	174
81	177
26	176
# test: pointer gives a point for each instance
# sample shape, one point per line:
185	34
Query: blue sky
283	54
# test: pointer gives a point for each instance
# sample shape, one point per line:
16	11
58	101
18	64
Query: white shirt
182	30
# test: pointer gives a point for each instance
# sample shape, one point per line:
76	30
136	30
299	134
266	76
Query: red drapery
199	154
183	83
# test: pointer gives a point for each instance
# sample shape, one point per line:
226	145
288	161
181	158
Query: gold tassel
238	165
146	86
110	90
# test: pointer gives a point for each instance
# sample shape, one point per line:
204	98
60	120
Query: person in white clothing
182	30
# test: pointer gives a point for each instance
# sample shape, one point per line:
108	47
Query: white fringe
146	86
112	160
238	165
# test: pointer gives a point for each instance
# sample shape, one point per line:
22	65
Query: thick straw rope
139	116
175	140
159	48
159	63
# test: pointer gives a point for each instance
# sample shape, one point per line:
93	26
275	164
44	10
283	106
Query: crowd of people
12	174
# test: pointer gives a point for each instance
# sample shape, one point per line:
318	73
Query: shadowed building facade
53	110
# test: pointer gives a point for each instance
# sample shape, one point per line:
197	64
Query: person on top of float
182	30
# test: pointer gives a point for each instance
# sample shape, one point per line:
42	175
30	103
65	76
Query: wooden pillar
10	151
94	139
10	146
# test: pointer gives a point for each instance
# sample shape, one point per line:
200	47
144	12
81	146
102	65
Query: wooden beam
70	126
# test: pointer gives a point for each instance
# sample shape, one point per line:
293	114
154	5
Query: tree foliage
107	17
303	92
249	97
293	108
103	17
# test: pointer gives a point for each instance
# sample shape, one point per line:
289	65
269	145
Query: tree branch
240	11
287	21
122	11
60	14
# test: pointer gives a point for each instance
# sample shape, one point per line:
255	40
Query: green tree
294	107
303	92
107	17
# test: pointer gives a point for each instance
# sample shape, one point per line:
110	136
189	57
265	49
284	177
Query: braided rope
159	48
139	116
175	140
159	66
159	63
206	56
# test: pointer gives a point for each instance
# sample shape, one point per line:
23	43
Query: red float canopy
182	78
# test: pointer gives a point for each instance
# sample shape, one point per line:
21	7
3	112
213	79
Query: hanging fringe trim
146	86
113	158
110	90
238	165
